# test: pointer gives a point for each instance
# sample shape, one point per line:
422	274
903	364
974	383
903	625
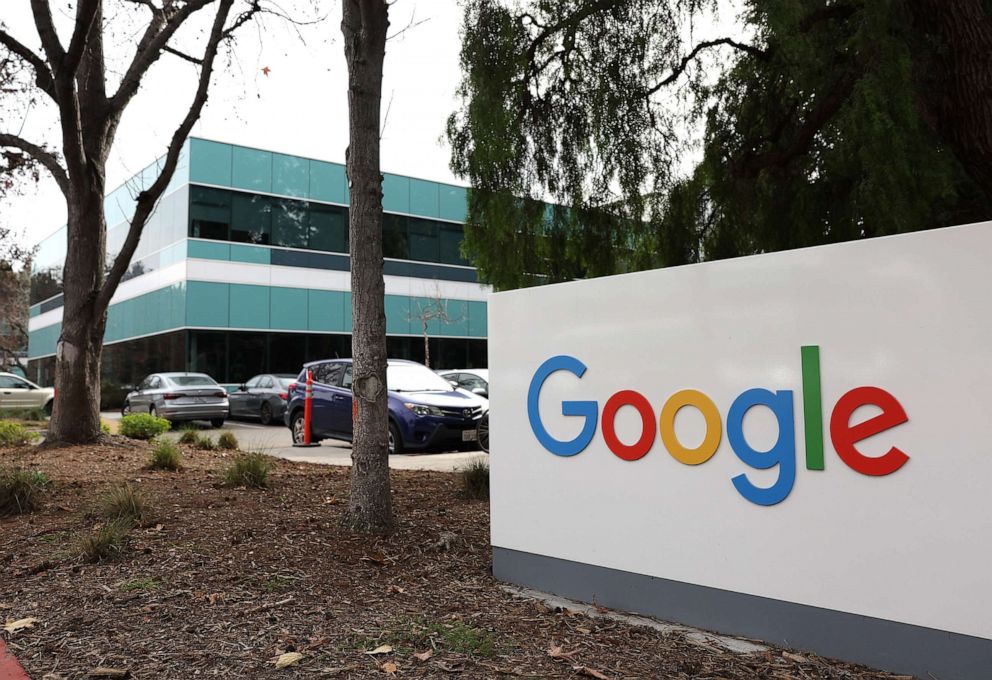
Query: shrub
27	414
15	434
106	543
475	480
125	505
19	490
227	441
165	456
249	469
206	443
105	427
189	437
143	426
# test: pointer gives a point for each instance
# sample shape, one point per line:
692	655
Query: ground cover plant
227	441
20	490
249	469
15	434
228	579
165	456
143	426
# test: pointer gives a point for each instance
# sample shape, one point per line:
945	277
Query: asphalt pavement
276	440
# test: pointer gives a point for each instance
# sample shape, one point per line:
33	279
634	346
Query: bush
19	490
189	438
143	426
165	456
206	443
249	469
125	505
105	427
106	543
475	480
227	441
29	414
15	434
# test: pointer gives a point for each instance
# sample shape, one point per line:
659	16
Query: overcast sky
300	107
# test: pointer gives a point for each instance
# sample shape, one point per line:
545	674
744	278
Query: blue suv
425	411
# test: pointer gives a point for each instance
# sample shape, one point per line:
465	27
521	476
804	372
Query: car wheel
298	425
483	432
217	422
126	409
395	440
265	415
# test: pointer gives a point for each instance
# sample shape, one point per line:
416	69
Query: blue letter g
588	409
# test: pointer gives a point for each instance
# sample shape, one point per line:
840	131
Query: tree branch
44	157
149	197
46	31
43	76
86	12
686	60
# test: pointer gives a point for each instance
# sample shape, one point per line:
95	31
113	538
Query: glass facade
237	217
237	204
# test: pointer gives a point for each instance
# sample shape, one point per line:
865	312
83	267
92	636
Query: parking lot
275	440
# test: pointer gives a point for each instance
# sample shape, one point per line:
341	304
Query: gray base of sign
889	645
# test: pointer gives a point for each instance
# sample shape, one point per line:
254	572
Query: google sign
843	435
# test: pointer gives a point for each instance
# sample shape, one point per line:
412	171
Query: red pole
308	408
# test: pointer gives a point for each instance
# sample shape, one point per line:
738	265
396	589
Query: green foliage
15	434
125	505
205	442
143	426
189	437
227	441
34	415
20	490
104	427
142	584
475	480
106	543
813	134
165	456
249	469
459	637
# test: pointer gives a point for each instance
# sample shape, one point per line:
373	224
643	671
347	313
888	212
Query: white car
475	380
19	393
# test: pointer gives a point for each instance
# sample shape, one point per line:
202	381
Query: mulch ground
226	580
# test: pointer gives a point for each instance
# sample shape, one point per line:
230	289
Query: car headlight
421	410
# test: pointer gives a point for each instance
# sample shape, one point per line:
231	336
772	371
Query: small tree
364	25
433	308
71	74
15	284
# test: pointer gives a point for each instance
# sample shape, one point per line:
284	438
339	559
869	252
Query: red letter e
845	435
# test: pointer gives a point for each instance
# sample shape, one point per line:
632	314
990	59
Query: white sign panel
813	426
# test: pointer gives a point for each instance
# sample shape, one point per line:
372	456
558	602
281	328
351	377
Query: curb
10	669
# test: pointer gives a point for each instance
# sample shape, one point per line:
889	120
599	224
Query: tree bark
364	26
953	70
76	411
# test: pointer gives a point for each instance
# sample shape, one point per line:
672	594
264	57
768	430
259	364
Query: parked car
475	380
179	397
20	393
424	410
263	397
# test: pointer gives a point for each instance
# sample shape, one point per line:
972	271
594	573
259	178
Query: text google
843	435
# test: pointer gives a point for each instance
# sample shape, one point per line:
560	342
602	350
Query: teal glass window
251	218
423	240
450	243
290	223
328	228
394	236
209	213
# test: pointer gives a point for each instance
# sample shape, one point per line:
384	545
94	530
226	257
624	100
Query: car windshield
284	380
414	378
191	380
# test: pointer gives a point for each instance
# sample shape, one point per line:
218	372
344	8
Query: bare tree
70	73
364	25
15	284
433	308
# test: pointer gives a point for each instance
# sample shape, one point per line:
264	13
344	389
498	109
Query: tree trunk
76	414
953	70
364	27
427	347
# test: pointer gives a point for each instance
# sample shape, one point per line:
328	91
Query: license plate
199	400
469	435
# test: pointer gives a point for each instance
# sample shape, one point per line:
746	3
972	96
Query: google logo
843	434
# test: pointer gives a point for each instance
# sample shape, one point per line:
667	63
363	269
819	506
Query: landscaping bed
222	581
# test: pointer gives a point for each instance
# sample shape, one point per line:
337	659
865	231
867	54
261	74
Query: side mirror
454	383
243	388
481	391
32	387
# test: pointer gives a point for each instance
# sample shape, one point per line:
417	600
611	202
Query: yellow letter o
714	427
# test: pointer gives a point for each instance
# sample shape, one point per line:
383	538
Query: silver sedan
179	396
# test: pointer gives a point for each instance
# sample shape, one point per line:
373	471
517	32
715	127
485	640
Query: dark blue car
425	411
